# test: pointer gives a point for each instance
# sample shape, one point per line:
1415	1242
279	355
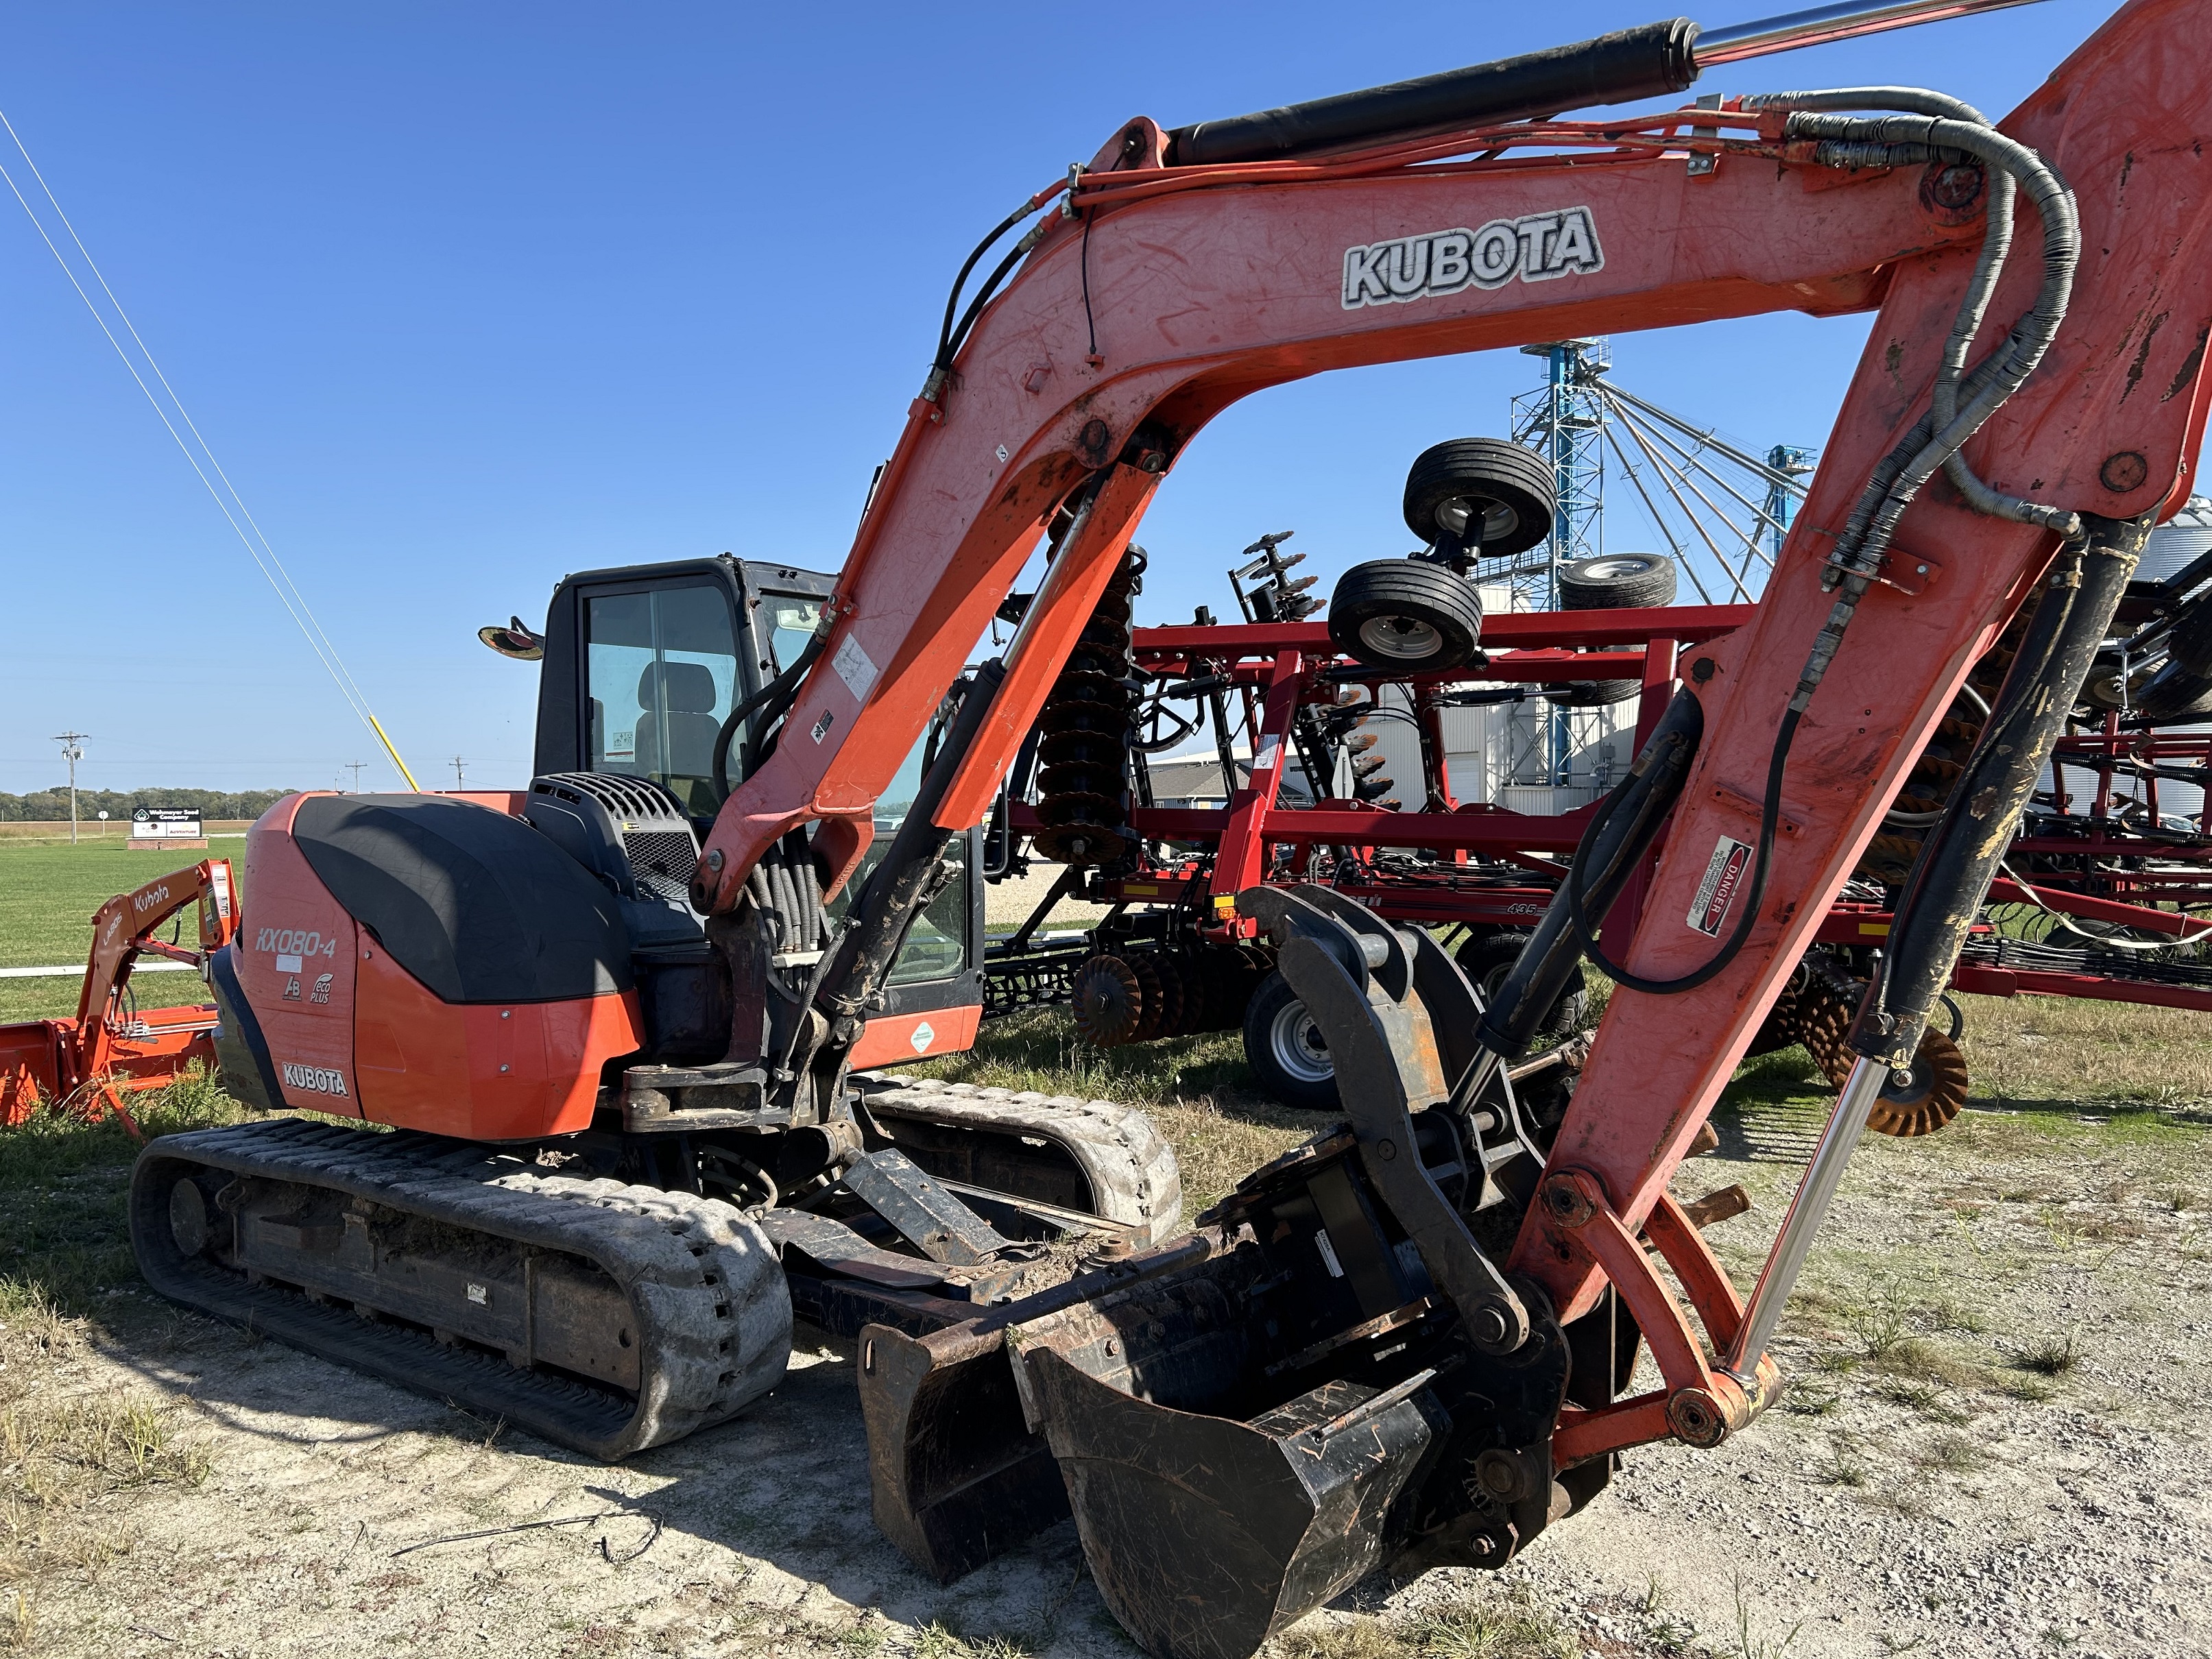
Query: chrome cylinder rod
1819	25
1787	1259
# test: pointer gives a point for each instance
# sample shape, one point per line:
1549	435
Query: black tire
1486	493
2173	693
1405	614
1615	581
1285	1049
2189	640
1488	957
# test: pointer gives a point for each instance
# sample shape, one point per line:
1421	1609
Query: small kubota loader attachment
112	1048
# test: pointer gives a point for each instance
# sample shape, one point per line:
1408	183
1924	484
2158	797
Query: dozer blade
602	1316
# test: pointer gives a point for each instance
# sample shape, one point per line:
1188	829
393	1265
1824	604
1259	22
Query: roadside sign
164	823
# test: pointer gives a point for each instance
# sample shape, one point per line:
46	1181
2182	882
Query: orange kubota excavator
1407	1342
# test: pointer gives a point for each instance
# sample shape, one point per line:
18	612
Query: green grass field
48	893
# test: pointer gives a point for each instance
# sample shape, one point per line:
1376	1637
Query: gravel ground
1992	1445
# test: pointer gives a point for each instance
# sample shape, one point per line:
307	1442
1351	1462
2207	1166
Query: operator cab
642	665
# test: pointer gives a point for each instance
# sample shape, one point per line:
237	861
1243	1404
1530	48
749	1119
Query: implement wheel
1286	1048
1405	615
1485	493
1109	1002
1615	581
1487	958
1931	1099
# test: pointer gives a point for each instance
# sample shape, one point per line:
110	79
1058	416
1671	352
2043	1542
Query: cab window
936	947
661	672
788	620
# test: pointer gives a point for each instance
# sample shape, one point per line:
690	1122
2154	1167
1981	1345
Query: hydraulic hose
1848	141
1842	141
1952	875
1607	856
775	696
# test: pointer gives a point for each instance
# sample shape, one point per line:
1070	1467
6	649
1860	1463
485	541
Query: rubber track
712	1311
1134	1182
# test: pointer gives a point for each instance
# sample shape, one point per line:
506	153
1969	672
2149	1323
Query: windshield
661	669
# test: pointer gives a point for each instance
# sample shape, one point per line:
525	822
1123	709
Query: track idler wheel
1108	1001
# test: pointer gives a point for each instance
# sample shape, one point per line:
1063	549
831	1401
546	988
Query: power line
288	593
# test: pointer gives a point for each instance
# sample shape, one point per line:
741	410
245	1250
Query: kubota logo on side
319	1080
1535	248
144	902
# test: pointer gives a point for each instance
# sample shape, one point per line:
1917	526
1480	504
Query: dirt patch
1991	1446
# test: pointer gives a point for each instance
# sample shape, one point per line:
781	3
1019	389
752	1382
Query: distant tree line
50	805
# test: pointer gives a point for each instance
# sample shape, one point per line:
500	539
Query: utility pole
354	768
72	752
458	783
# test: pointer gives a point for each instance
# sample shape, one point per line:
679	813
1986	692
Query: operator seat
678	698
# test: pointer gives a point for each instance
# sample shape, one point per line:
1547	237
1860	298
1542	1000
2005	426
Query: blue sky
465	298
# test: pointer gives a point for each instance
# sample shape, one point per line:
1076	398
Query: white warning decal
1535	248
1724	875
853	668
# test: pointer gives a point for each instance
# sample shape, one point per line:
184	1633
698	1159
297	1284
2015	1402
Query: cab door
932	998
642	666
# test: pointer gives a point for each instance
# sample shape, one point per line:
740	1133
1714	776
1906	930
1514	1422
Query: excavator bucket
955	1474
1207	1533
1323	1379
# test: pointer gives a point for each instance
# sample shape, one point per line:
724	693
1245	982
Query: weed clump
1951	1454
2049	1356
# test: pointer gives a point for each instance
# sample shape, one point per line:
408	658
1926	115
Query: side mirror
513	640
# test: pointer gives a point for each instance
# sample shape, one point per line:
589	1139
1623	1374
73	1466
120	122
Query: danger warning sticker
1724	874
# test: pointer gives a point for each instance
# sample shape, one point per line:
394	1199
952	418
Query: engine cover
429	963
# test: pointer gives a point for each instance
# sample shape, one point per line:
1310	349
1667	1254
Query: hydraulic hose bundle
1945	889
1934	129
